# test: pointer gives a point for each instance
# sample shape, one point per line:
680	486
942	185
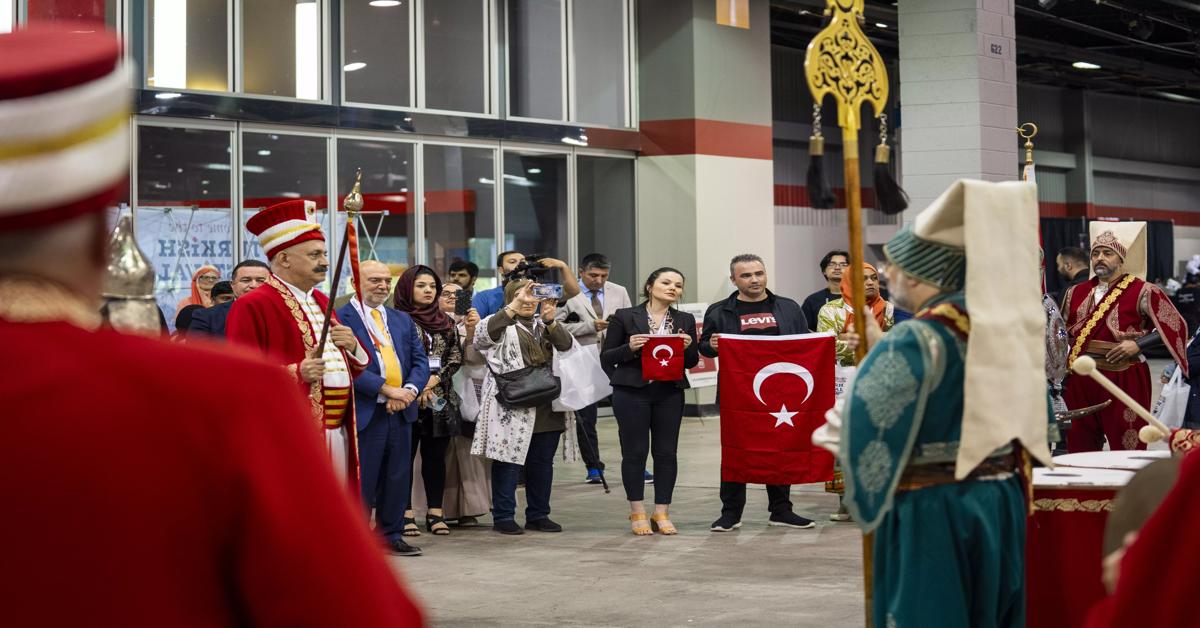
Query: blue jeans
539	475
385	459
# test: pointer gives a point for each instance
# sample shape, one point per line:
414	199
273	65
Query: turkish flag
774	392
662	359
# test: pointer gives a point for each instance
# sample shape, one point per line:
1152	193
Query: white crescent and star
670	354
787	368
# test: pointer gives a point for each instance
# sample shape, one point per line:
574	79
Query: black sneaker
543	525
508	526
727	523
400	548
790	519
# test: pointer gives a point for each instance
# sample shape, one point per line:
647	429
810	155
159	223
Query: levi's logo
765	320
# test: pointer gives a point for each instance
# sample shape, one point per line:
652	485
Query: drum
1065	537
1128	460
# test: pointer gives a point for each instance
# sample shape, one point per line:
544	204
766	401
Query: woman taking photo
417	293
649	413
520	338
468	493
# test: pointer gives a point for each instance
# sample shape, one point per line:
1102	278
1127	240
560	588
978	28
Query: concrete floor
596	573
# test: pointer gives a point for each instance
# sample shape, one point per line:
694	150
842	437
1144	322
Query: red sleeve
1169	323
302	554
247	325
1158	574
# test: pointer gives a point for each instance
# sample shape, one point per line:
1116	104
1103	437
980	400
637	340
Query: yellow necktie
391	364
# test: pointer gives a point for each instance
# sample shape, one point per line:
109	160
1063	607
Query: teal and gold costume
949	553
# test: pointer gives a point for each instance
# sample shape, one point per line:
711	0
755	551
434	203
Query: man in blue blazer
247	275
385	407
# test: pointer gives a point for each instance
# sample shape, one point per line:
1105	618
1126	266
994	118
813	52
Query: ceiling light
264	152
1084	65
573	141
880	24
534	171
357	65
385	3
167	95
1178	97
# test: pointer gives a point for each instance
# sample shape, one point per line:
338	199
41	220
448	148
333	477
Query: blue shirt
599	295
489	301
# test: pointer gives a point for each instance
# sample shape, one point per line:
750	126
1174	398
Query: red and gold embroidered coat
1140	308
270	319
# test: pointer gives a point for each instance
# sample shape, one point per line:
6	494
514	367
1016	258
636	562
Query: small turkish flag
662	359
774	392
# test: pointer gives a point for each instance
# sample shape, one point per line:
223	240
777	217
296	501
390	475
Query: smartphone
547	291
463	304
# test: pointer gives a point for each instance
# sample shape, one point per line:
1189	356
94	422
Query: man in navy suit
247	275
385	407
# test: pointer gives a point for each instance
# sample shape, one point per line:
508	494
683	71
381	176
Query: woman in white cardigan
511	339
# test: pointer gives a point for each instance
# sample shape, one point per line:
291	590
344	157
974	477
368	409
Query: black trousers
733	498
433	465
648	421
589	443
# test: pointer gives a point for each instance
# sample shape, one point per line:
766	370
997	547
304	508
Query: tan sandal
662	521
640	527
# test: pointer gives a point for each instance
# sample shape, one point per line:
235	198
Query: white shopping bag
584	381
468	391
1172	403
842	376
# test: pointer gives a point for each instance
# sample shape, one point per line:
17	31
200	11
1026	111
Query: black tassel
819	193
889	198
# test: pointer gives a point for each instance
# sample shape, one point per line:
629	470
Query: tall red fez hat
64	114
284	225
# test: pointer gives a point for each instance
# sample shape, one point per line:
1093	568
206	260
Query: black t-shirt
812	306
756	319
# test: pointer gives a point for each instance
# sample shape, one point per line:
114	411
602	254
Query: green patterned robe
947	555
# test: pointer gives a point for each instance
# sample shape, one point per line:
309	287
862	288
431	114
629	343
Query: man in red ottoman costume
1114	317
131	496
283	319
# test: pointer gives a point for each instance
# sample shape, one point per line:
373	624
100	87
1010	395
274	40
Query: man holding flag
945	410
284	318
755	311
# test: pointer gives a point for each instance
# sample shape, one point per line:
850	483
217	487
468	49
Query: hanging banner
179	240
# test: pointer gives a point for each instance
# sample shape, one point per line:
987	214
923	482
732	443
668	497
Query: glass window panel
101	11
605	205
601	88
281	48
456	55
460	209
375	52
277	168
187	44
184	217
8	15
535	203
388	222
535	58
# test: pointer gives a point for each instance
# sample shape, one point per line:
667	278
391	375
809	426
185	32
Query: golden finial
843	62
354	201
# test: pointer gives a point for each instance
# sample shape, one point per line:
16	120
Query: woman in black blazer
648	413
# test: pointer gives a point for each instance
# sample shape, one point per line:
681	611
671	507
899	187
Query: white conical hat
1127	238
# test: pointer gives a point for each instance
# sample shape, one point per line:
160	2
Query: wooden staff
841	62
353	204
1152	433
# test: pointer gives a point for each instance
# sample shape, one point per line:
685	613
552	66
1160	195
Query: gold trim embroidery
1073	505
315	397
25	299
1097	316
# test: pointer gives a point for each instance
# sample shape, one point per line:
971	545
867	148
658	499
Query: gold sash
1097	316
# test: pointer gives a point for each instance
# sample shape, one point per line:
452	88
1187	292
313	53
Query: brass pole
854	218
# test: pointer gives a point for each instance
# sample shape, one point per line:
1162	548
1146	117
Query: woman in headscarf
837	316
417	293
516	337
203	281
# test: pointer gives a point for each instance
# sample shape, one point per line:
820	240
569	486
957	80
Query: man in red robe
283	320
1114	317
131	495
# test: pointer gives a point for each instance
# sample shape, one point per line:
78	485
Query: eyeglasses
839	264
450	296
209	277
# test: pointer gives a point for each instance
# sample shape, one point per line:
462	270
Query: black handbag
527	387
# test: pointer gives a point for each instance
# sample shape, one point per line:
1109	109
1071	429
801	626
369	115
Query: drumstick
1156	431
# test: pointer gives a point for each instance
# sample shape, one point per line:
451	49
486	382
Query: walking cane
841	62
